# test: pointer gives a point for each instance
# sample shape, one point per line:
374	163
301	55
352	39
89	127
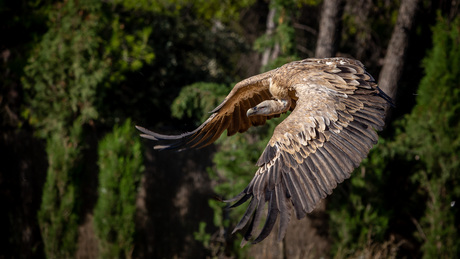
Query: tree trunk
394	60
269	53
329	28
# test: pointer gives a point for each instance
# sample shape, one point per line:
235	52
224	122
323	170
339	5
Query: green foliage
431	137
202	235
120	169
83	50
196	100
294	4
284	36
207	10
58	215
127	50
61	81
221	10
65	69
284	33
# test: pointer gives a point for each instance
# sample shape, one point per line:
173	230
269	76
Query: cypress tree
60	80
431	136
120	168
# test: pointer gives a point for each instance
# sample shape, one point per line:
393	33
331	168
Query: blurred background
77	75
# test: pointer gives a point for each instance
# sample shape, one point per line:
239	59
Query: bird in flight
336	108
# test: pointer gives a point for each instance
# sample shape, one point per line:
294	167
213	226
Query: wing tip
176	142
387	98
243	242
146	136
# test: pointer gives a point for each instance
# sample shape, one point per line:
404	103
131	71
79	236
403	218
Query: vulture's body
336	108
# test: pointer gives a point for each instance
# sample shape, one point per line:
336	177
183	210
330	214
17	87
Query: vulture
336	108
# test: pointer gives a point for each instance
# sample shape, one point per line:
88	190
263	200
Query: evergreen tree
120	169
59	213
430	137
61	81
413	174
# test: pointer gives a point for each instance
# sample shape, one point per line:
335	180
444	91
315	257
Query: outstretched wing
330	131
230	115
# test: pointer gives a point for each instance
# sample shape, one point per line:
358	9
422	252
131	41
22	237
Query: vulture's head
269	107
263	108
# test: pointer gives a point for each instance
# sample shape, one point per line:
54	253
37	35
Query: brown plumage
336	108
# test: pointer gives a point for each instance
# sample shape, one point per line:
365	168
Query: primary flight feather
336	108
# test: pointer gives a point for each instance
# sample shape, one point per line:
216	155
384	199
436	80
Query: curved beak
251	111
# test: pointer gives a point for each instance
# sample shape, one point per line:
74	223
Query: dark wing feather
330	131
230	115
273	212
